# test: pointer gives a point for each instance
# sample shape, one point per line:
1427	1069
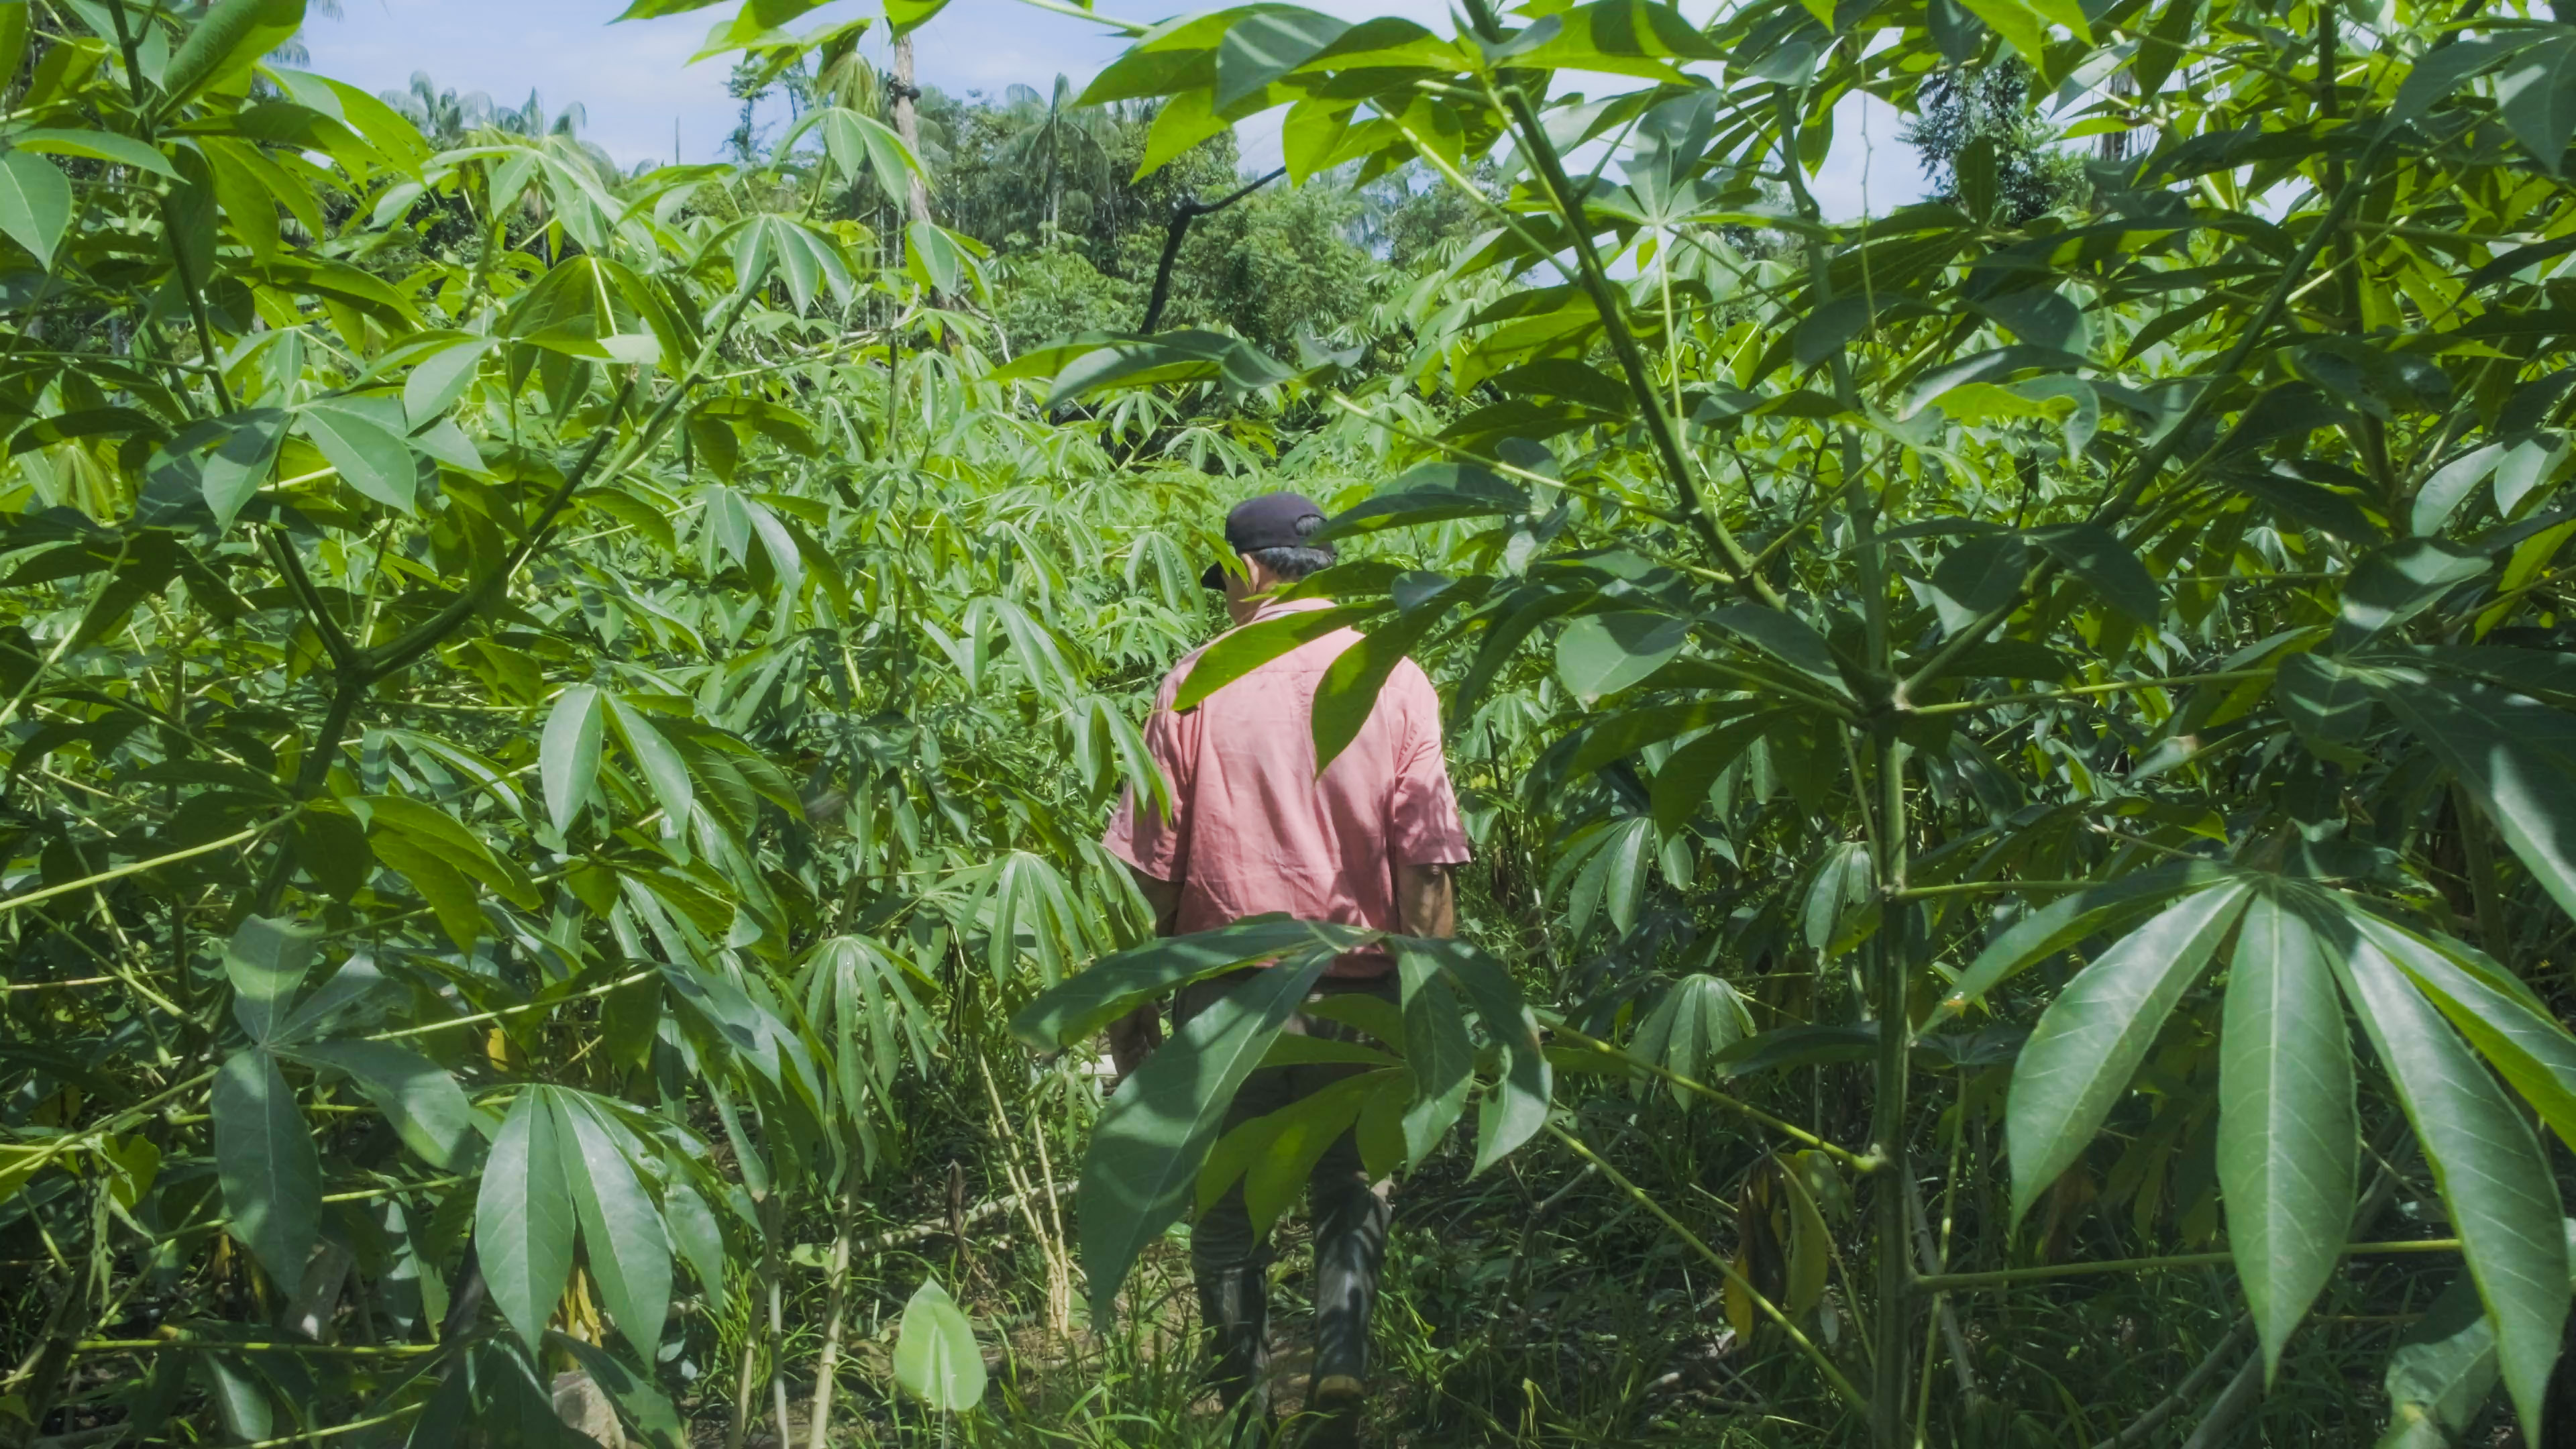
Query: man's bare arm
1134	1036
1426	899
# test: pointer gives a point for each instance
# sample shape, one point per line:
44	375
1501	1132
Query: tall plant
2171	582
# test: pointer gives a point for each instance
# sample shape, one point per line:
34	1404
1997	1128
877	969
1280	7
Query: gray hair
1293	563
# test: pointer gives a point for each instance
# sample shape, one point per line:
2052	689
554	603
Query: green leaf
1696	1018
2400	581
1238	652
264	1158
1122	362
2499	1015
364	439
2328	707
35	204
266	961
1266	44
2089	1043
907	16
2098	557
2490	1168
641	1405
2515	754
1601	654
2024	24
440	378
1516	1107
2536	98
231	39
2286	1129
1786	638
568	754
621	1234
1843	881
1430	493
2067	920
666	774
420	1097
2442	1372
1147	1147
1439	1052
523	1215
935	1357
1074	1009
1347	694
95	145
234	472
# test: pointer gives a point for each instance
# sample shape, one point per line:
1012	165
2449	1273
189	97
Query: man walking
1253	828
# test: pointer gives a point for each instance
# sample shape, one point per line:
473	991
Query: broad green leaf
364	438
1843	881
935	1356
266	961
641	1405
2515	754
264	1157
621	1234
665	773
524	1215
2399	582
2328	707
2024	24
234	472
1109	988
1439	1052
2070	918
2442	1372
2493	1175
1347	694
1786	638
1696	1018
420	1097
2098	557
2536	97
2499	1015
1265	45
1601	654
230	39
568	753
94	145
2286	1129
2091	1040
1430	493
35	204
1238	652
1147	1147
440	378
1515	1108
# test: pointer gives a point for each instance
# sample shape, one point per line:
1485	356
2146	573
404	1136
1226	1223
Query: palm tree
444	117
1068	141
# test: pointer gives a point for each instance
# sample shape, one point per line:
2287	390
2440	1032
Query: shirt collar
1276	607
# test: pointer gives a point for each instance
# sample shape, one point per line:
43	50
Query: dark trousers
1230	1263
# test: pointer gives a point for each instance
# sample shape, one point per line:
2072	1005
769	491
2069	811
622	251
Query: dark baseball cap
1269	521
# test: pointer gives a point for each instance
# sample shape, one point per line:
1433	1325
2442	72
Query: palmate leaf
524	1215
264	1157
1147	1147
2089	1043
2490	1168
1697	1017
2286	1125
2516	755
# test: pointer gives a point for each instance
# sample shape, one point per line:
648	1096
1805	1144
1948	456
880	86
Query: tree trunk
907	124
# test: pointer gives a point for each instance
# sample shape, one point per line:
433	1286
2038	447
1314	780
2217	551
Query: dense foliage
557	721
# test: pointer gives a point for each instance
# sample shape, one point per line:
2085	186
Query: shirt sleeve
1423	824
1140	833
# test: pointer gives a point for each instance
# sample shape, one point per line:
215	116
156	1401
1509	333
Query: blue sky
635	82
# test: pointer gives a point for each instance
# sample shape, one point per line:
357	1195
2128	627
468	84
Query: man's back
1254	829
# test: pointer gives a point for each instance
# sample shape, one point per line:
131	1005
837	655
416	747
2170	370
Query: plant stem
1770	1310
2003	1277
1786	1129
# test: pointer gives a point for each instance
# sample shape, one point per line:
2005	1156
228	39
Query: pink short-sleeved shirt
1254	829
